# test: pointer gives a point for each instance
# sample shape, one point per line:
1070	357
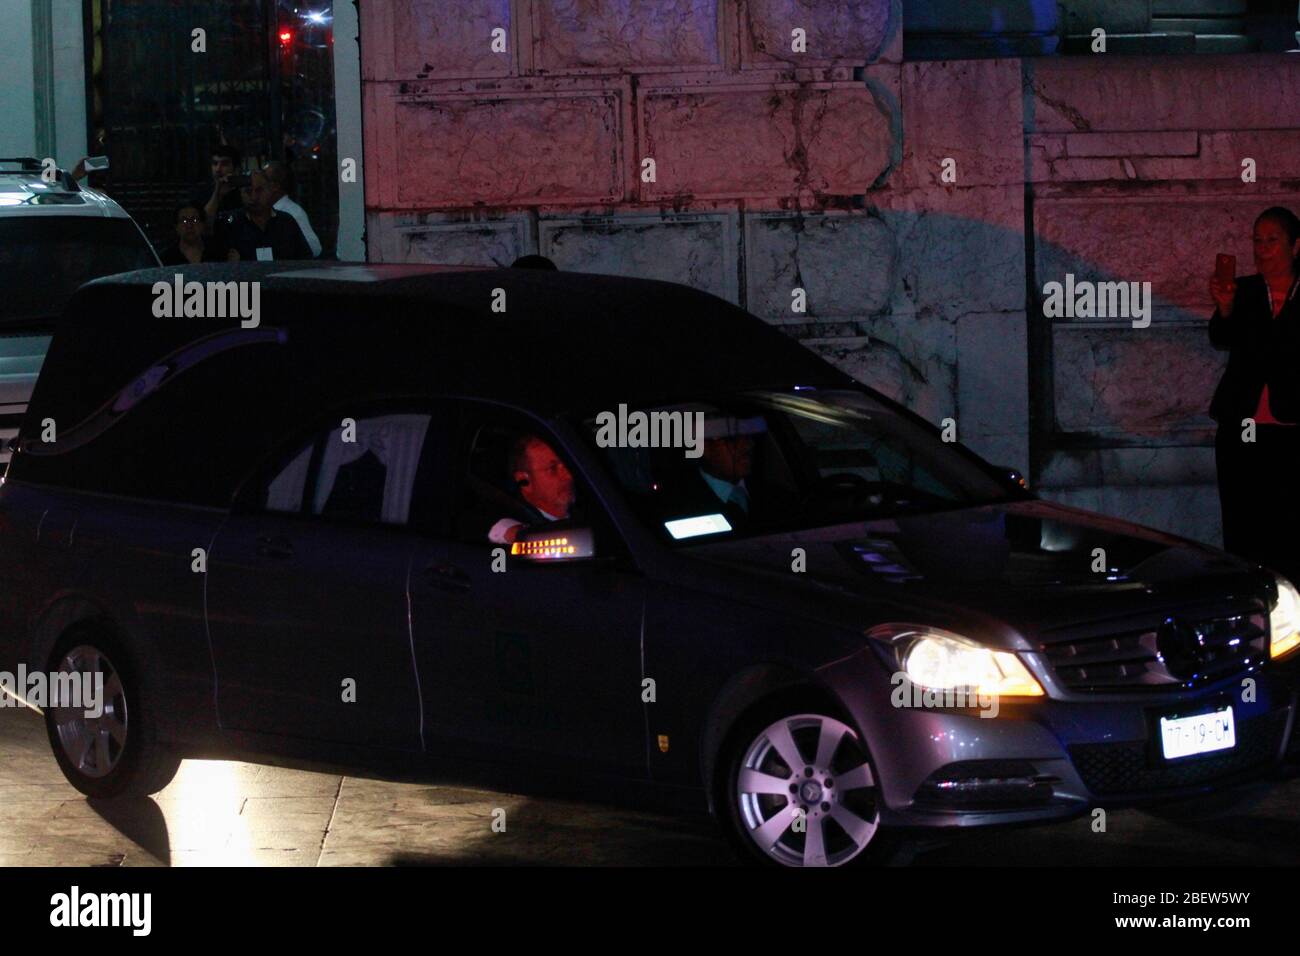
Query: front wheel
106	745
800	791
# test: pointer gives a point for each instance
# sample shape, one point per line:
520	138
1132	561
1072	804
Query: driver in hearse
545	487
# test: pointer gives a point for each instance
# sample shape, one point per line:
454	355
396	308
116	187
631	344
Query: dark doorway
264	83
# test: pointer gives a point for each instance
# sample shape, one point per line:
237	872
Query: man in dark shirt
258	231
218	195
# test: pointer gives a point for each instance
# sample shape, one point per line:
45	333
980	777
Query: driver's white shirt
497	533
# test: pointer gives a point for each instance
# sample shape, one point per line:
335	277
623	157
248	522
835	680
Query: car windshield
45	259
766	461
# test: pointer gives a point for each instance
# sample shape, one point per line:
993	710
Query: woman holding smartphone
1257	403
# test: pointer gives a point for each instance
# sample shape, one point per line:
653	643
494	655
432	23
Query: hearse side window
495	446
489	490
776	460
365	469
136	407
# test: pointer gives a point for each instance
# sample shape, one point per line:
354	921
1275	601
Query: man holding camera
220	194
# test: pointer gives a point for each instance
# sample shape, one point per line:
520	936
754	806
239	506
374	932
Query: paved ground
226	813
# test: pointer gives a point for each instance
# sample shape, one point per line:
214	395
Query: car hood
1032	564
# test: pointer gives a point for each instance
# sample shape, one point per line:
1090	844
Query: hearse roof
464	289
566	340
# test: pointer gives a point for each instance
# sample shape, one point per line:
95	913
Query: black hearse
310	528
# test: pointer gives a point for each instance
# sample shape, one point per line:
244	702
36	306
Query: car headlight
940	660
1284	620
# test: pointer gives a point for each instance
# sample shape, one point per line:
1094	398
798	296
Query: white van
54	235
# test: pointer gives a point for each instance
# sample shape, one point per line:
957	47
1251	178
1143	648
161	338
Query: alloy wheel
806	793
92	745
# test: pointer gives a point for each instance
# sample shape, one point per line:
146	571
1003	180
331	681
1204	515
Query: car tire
753	797
117	754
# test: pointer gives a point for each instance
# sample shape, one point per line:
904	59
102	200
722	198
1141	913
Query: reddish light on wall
286	37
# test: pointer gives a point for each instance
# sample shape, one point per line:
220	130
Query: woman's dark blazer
1261	349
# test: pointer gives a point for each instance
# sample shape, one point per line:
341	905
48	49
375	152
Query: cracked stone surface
508	149
1142	158
490	243
960	251
1142	383
446	37
1191	92
888	293
852	30
768	141
912	363
845	264
968	111
697	251
993	387
626	34
1113	240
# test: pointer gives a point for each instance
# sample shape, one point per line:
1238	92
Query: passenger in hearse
721	480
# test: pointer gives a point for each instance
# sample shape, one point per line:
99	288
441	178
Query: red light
286	37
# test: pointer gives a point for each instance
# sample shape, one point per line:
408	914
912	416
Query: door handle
447	577
274	546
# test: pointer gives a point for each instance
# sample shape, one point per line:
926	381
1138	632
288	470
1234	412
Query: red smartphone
1225	267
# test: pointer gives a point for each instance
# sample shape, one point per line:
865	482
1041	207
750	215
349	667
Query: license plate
1201	734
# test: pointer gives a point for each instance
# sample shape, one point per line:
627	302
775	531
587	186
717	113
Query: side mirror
545	545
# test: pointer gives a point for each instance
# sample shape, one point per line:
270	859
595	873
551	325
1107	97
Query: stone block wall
1136	170
896	194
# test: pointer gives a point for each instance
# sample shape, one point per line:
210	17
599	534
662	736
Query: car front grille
1174	654
1129	768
